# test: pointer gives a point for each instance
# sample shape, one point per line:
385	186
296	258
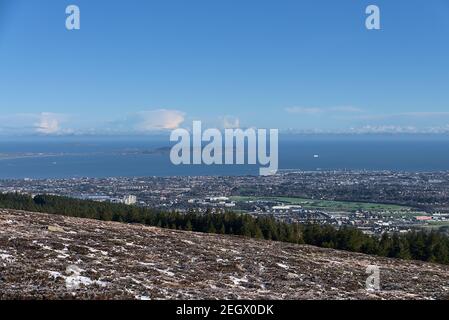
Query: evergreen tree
422	245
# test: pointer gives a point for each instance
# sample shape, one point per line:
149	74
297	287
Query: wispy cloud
375	129
425	114
160	119
303	110
395	129
340	119
348	109
320	111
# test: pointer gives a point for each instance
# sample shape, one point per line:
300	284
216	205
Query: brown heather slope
54	257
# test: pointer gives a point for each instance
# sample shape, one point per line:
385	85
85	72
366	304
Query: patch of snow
238	281
146	264
6	257
283	266
55	274
74	282
166	272
72	269
136	281
101	283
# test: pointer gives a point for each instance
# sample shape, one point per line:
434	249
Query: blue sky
139	66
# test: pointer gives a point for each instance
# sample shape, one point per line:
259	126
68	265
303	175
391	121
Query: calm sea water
65	159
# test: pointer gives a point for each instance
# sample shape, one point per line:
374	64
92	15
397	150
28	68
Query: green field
435	225
339	206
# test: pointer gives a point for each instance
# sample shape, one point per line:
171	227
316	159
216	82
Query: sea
57	158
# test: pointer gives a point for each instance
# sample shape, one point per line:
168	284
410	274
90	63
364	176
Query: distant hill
55	257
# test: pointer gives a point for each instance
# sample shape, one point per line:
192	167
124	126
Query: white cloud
348	109
48	123
161	119
403	115
302	110
396	129
33	123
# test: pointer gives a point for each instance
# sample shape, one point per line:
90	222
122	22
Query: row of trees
425	246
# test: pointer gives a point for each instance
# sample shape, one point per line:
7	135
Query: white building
218	199
129	200
286	209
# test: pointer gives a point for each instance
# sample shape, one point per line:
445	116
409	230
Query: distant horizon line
283	133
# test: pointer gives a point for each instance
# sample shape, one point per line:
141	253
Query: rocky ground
54	257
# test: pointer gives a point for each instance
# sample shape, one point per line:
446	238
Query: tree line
417	245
